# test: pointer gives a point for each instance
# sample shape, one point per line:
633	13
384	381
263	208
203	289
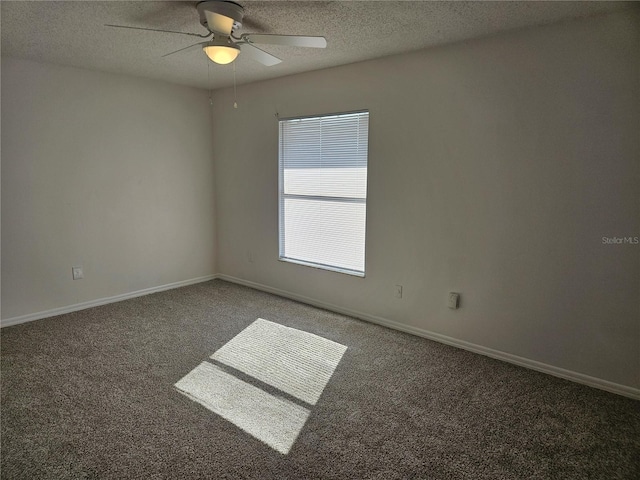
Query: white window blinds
323	191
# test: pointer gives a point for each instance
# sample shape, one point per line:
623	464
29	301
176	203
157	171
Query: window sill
354	273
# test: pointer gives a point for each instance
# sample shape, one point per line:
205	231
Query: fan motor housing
227	9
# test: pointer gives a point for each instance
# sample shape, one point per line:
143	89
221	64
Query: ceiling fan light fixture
221	54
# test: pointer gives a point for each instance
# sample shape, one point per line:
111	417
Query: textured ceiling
72	33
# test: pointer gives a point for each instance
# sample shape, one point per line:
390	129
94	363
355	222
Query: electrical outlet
454	300
77	273
250	256
398	291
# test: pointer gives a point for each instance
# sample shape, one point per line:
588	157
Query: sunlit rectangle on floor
273	420
296	362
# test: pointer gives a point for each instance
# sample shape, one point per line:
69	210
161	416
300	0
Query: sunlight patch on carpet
273	420
295	362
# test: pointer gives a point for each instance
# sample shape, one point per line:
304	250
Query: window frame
282	195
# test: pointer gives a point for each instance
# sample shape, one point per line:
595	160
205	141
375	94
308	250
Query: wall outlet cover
77	273
454	300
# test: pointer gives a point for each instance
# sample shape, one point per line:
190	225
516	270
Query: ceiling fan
222	18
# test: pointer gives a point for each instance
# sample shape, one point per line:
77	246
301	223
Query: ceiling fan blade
220	16
219	23
290	40
186	48
156	30
258	55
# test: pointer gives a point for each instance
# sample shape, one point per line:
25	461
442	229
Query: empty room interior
320	240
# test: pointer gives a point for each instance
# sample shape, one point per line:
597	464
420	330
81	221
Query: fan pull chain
235	92
209	80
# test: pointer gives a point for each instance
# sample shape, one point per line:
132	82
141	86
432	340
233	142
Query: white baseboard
6	322
489	352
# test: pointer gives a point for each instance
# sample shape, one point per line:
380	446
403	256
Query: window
323	191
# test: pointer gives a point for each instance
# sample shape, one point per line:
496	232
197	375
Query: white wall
495	169
108	172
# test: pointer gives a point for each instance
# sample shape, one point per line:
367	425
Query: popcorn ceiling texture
73	33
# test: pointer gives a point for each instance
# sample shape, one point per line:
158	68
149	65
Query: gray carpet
91	395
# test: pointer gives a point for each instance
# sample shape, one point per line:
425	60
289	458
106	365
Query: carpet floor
92	395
